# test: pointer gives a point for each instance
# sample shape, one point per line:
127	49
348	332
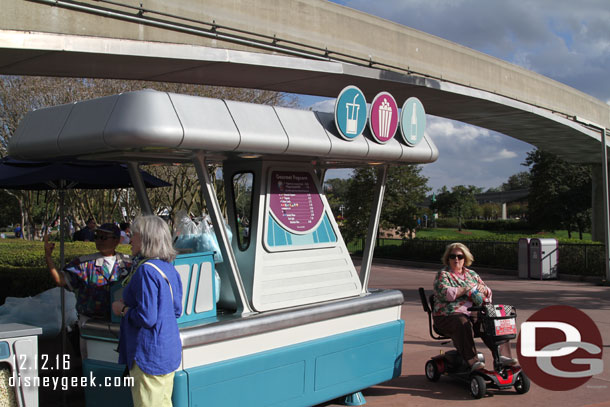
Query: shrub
23	270
575	259
447	223
26	281
499	225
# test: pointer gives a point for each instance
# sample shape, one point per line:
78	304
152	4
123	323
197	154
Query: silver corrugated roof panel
39	131
206	122
145	123
341	148
259	127
85	126
306	134
143	119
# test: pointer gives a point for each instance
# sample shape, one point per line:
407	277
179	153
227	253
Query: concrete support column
504	211
597	203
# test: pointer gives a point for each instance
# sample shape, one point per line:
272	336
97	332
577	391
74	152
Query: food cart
295	323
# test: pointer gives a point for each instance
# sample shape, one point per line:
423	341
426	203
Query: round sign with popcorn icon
383	120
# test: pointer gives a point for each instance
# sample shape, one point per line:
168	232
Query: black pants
462	330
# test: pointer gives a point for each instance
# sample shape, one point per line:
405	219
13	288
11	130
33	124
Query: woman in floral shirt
456	288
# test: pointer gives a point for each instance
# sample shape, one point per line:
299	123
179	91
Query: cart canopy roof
152	126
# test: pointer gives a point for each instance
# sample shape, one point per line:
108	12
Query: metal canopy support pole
209	194
138	185
321	173
606	203
602	130
62	262
367	255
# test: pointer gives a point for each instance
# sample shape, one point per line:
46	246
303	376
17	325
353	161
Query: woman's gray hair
156	237
468	257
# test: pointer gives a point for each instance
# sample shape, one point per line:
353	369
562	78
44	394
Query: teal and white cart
295	323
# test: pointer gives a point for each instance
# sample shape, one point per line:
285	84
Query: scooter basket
499	321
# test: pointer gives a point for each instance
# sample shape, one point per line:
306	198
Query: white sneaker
477	366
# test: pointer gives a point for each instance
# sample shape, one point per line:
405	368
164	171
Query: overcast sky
566	40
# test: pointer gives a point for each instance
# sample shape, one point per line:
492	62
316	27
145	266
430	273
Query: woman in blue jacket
152	300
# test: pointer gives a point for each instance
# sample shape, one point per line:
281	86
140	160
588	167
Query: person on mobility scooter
461	309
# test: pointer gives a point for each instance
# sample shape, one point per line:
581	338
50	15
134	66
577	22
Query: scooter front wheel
478	387
522	384
432	372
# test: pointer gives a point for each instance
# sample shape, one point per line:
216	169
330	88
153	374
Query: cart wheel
432	372
478	387
522	384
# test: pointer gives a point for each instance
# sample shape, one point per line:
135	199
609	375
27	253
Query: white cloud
450	129
500	155
470	155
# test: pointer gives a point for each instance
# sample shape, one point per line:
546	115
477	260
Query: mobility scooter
498	324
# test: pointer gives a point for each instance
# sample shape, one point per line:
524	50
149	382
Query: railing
574	258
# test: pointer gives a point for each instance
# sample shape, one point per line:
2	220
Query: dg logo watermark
560	348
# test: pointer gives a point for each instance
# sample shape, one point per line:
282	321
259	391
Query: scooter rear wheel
478	387
432	372
522	384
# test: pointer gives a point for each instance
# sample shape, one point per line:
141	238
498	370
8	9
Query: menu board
294	201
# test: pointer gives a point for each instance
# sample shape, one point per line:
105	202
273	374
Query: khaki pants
151	391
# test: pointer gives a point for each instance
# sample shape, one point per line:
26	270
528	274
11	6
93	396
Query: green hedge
489	254
23	270
23	281
500	225
445	223
573	259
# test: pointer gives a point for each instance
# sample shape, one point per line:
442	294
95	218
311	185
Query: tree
521	180
517	210
491	210
358	204
405	192
560	194
405	189
9	209
336	190
459	202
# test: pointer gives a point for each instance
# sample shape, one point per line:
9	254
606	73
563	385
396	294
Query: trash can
524	257
19	364
543	258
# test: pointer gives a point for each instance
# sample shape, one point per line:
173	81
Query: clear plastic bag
184	225
28	311
197	235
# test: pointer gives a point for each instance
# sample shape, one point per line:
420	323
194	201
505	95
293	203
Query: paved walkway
412	389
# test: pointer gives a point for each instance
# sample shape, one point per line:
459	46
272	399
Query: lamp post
602	130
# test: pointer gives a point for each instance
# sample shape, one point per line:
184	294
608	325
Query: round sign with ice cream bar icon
350	113
412	121
383	120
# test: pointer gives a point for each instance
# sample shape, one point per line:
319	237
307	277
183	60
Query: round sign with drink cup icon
350	113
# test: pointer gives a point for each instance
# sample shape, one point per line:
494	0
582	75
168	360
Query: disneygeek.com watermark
27	369
64	383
